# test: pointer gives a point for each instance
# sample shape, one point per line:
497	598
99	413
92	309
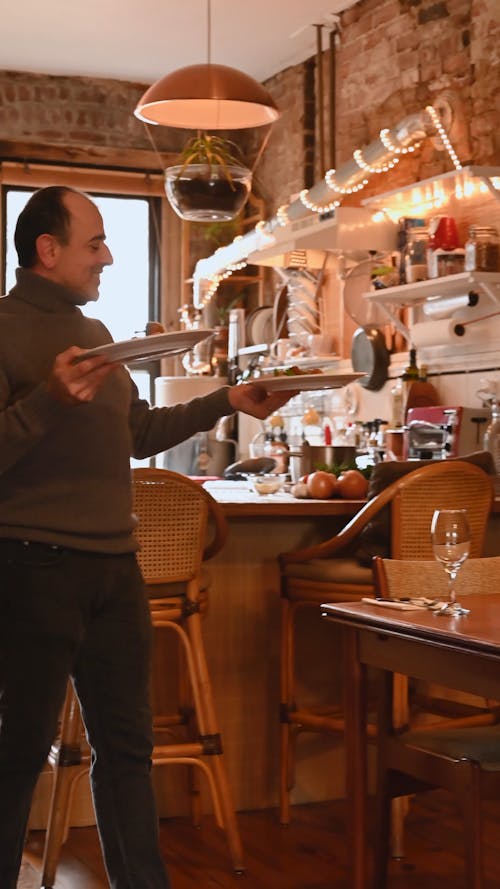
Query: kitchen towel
436	333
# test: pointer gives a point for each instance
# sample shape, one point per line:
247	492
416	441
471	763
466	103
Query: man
71	597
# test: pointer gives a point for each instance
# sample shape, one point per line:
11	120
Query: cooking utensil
243	469
369	355
357	282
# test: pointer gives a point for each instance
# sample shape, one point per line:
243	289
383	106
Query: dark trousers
68	613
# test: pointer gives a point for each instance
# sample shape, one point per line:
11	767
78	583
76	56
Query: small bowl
266	483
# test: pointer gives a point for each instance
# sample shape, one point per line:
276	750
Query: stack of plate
303	311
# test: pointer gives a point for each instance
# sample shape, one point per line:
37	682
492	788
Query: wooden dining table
464	652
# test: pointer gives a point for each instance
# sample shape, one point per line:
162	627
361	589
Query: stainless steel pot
312	457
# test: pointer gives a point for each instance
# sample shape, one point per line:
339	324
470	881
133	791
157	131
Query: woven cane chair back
403	577
175	516
447	485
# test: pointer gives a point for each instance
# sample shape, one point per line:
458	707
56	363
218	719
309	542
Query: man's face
79	263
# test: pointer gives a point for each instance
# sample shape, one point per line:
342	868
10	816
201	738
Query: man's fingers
72	382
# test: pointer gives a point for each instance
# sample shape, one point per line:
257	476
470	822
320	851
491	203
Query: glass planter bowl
204	193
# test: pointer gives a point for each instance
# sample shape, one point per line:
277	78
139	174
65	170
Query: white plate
301	382
304	363
147	347
260	326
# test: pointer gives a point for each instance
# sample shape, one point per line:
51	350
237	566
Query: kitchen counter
238	500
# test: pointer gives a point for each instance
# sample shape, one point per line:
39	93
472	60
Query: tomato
352	485
303	479
321	485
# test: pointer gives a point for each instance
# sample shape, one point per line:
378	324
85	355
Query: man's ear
47	248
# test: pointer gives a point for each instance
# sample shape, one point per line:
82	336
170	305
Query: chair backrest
174	518
395	578
445	485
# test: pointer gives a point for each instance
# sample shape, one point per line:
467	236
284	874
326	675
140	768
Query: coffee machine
440	431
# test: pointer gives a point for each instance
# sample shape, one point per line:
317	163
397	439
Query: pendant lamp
207	97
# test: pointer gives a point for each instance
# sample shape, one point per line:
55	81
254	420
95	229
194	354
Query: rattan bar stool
70	760
329	572
175	517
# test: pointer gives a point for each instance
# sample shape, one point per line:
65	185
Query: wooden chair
330	572
175	516
463	759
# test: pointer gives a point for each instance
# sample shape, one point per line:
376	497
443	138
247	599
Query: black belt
33	545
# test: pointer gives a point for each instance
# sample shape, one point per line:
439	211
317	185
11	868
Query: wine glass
450	535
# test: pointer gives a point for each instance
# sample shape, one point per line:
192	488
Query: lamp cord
162	167
209	32
154	146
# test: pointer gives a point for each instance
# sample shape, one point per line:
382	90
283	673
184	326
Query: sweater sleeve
156	429
24	423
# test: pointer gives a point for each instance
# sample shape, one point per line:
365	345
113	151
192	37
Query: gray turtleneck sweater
65	469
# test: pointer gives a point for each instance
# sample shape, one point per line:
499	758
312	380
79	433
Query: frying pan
369	355
240	470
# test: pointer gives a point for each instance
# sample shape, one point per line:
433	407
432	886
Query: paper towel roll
436	333
443	306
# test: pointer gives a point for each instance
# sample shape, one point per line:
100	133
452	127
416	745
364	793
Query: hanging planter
210	184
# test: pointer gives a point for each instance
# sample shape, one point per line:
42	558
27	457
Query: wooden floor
309	854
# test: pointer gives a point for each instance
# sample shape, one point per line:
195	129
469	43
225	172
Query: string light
381	168
443	136
333	186
385	138
282	215
316	208
215	280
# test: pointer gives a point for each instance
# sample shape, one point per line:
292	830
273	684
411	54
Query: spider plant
213	151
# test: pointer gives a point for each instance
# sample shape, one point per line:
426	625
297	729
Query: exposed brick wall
393	58
76	111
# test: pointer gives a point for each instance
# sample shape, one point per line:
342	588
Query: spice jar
482	249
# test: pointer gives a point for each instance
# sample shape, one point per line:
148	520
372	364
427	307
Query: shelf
259	348
451	285
429	194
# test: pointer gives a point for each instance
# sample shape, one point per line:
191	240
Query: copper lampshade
207	97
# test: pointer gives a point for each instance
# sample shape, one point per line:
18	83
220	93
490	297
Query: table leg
356	754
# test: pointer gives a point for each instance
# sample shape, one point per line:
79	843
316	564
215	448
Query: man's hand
77	383
252	398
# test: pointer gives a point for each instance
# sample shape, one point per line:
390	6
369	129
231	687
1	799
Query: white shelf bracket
392	315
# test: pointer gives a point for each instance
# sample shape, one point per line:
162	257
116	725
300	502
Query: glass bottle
492	435
415	260
277	447
482	249
410	376
397	405
411	371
